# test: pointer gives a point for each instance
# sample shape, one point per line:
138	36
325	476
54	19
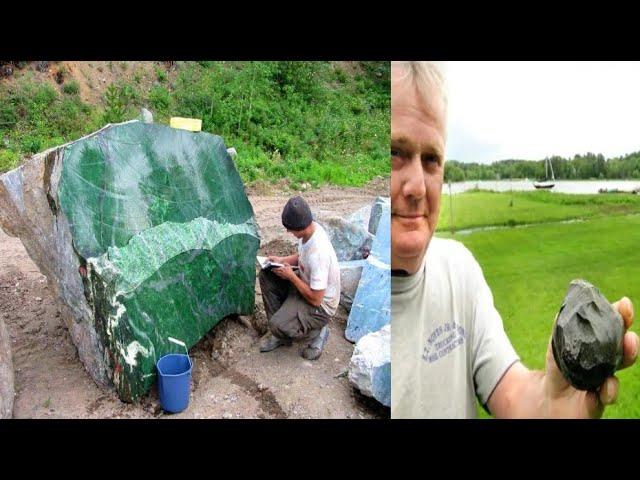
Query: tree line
580	167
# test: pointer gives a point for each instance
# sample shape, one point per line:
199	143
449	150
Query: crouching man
300	302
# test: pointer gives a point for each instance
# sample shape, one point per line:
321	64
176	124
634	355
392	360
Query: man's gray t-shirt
448	343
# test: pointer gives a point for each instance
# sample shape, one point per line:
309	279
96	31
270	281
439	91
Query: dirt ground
231	378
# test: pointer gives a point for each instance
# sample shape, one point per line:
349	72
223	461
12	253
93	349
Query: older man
448	342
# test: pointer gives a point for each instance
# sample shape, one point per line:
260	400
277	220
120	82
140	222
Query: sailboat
546	183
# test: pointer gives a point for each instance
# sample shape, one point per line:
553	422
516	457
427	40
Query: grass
480	208
71	87
308	122
35	116
529	270
8	160
161	74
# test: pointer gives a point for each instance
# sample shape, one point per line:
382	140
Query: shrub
119	100
8	115
161	74
114	107
71	88
159	98
31	144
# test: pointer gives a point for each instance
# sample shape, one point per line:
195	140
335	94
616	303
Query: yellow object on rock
193	124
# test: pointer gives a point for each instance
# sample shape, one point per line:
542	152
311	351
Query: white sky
530	110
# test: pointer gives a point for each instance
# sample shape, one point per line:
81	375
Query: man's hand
285	272
566	401
291	259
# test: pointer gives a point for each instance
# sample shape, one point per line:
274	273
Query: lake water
562	186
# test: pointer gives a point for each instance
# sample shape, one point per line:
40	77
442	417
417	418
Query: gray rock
232	151
350	241
27	211
146	116
587	337
361	217
380	206
370	366
350	273
7	389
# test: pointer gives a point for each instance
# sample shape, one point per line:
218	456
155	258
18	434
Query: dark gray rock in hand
587	337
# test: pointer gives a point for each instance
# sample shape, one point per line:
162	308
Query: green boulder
166	241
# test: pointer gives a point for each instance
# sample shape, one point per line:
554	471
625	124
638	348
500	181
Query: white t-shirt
319	268
448	342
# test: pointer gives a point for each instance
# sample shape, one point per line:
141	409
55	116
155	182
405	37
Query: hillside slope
306	122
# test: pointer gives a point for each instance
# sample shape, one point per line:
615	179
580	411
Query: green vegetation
161	74
529	269
308	122
292	120
8	160
160	99
478	208
580	167
34	117
71	88
121	102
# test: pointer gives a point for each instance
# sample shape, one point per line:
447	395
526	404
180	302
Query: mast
553	177
546	168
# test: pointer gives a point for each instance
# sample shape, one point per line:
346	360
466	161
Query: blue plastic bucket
174	381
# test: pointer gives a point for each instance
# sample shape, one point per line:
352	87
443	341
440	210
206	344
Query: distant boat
546	183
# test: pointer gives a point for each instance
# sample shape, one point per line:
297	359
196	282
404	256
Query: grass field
481	208
529	268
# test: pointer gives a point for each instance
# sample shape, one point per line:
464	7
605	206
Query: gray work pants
290	316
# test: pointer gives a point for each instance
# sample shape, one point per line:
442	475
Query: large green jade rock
162	220
174	280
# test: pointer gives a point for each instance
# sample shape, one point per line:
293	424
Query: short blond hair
427	78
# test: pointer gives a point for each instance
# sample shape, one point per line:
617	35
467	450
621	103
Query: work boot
271	342
315	346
